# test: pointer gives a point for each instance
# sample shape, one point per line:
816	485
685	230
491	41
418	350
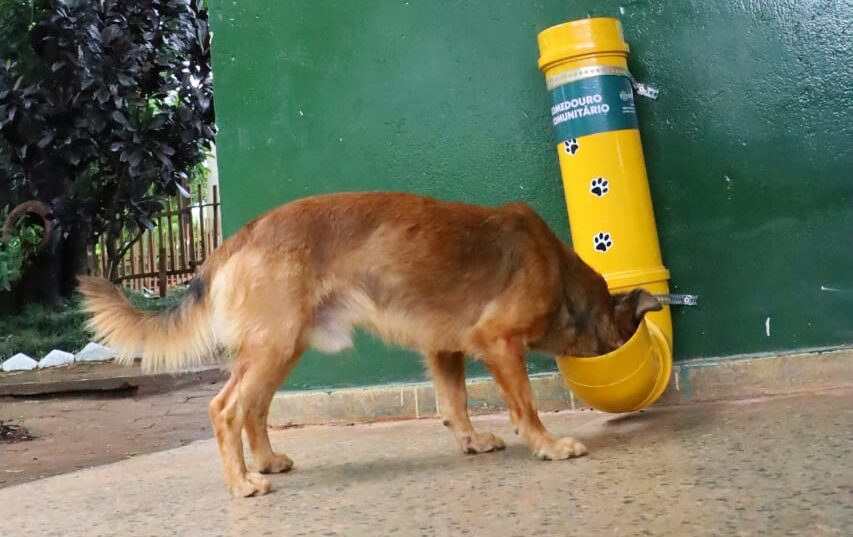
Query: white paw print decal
599	186
571	146
602	242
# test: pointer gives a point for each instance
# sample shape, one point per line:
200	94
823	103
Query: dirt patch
70	433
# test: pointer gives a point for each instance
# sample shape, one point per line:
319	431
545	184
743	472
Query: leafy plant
199	175
17	17
109	111
11	263
16	250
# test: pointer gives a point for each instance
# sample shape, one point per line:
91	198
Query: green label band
592	105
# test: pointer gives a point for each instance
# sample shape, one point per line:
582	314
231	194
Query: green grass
37	330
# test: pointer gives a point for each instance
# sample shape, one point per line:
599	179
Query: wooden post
161	259
142	257
135	258
151	263
162	282
172	256
182	223
191	233
201	223
215	216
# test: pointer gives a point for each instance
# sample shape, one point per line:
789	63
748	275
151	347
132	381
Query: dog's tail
172	339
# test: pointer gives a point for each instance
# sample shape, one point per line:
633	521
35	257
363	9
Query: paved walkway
781	466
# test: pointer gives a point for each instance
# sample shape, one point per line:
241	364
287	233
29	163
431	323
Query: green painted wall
749	147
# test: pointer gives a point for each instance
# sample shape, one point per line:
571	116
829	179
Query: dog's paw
553	449
277	464
473	443
252	484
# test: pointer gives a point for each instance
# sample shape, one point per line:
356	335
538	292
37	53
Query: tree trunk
39	283
51	274
112	258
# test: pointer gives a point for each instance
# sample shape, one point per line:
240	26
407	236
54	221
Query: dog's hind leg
244	403
448	374
264	376
226	416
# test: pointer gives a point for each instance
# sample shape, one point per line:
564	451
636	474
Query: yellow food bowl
626	380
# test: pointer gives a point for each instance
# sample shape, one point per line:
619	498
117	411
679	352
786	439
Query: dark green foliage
105	110
16	251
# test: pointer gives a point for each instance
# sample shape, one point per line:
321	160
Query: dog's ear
629	308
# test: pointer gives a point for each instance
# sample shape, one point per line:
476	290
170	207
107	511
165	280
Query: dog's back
415	270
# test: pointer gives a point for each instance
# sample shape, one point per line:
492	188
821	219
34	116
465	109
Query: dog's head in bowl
595	323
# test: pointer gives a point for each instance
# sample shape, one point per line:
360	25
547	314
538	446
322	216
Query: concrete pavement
776	466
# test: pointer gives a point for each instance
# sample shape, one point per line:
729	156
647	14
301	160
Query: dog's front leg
448	375
506	362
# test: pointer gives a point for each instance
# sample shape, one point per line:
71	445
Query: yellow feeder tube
608	201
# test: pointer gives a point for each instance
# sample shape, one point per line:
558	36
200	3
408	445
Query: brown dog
447	279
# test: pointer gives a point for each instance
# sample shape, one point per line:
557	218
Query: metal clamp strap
678	300
581	73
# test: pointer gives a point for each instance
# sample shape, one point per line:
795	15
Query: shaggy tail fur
169	340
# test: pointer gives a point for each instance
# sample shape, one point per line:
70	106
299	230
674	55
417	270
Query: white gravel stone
19	362
94	352
56	358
